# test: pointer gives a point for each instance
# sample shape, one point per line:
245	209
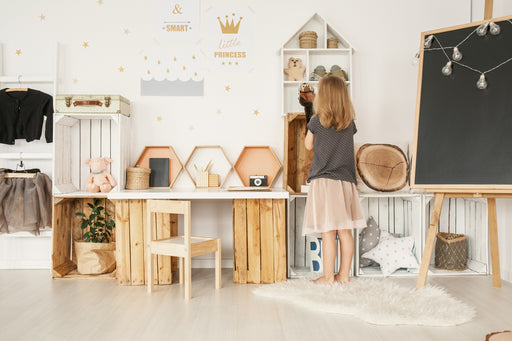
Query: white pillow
393	253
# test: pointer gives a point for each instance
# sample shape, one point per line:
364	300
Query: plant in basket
96	253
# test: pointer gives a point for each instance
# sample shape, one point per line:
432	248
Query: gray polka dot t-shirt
333	152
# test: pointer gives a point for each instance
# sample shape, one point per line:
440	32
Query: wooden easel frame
489	192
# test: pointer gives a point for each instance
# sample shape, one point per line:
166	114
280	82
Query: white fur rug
376	301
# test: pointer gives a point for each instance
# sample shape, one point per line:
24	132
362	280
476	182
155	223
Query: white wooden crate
463	216
78	137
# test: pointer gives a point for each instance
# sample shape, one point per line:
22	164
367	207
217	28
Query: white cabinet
311	58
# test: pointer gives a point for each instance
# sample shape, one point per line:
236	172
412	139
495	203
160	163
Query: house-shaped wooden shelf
313	57
257	160
297	157
201	156
175	166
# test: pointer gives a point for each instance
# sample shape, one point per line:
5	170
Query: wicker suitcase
96	104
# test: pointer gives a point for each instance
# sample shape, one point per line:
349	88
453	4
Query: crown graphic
229	27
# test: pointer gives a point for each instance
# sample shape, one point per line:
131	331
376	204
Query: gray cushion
368	239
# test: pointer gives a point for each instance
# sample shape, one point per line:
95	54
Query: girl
332	205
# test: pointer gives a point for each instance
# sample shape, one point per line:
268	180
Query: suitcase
95	104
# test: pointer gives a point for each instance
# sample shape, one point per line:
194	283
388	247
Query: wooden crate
66	229
297	158
130	247
78	137
259	240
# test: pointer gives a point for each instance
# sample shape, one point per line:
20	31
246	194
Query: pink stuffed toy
100	179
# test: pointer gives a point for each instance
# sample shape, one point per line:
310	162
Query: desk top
185	194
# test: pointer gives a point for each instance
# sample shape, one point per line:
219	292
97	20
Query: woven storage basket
307	40
137	178
451	251
332	43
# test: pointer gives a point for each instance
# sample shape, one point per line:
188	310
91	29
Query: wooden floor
35	307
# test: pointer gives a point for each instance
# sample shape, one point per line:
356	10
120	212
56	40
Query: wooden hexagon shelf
257	160
202	156
175	165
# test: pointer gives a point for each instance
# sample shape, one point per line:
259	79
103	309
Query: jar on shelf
308	40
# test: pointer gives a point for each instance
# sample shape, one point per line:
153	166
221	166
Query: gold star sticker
168	71
227	88
159	118
149	72
236	63
223	63
255	112
193	57
18	52
191	127
42	17
75	80
100	2
145	57
229	63
184	68
158	62
219	111
126	31
85	44
121	69
174	58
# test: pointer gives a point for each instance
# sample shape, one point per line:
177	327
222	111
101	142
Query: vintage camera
258	180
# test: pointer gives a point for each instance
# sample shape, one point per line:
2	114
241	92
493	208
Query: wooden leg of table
429	243
493	235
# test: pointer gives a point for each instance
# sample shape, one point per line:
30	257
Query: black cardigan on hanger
21	115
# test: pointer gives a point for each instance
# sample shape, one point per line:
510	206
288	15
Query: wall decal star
227	88
126	31
18	52
85	44
219	111
159	118
255	112
75	80
121	69
42	17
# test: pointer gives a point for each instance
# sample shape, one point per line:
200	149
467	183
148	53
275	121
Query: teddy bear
306	98
295	70
99	179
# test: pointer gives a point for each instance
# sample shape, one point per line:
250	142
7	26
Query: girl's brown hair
332	103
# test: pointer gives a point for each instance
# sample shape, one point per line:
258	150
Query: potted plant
96	253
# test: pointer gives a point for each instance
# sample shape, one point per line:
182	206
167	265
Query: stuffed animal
317	73
306	98
100	179
337	71
295	70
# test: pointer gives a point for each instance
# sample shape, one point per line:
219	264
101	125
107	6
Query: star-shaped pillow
393	253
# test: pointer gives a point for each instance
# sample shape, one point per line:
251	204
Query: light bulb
456	54
447	69
481	84
428	41
494	29
482	29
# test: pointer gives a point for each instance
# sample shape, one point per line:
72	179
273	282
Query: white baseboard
25	264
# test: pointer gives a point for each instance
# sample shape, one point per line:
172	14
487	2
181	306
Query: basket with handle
451	251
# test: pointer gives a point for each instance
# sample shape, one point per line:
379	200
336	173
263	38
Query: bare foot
341	280
324	280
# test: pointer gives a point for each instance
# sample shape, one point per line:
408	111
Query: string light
481	30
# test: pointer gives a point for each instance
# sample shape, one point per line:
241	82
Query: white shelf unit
406	214
78	137
311	58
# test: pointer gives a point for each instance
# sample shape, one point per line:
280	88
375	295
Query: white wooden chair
185	247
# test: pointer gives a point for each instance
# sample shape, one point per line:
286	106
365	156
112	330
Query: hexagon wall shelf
201	156
175	165
257	160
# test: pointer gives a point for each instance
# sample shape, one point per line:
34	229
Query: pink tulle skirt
332	205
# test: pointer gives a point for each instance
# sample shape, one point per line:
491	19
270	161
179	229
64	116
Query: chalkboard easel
458	147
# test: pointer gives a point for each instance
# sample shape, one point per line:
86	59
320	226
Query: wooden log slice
382	167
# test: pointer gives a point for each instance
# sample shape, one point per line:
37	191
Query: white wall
385	34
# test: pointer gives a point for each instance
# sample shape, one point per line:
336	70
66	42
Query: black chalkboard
464	134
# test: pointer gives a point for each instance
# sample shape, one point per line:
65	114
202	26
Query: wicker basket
451	251
307	40
332	43
137	178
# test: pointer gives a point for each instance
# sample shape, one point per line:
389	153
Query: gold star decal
168	71
229	63
158	62
149	72
193	57
219	111
126	31
159	118
174	58
195	74
227	88
18	52
255	112
42	17
75	80
100	2
191	127
236	63
85	44
223	63
184	68
121	69
145	57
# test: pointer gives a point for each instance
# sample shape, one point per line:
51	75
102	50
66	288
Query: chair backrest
170	207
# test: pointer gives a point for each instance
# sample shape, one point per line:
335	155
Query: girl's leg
347	252
328	256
